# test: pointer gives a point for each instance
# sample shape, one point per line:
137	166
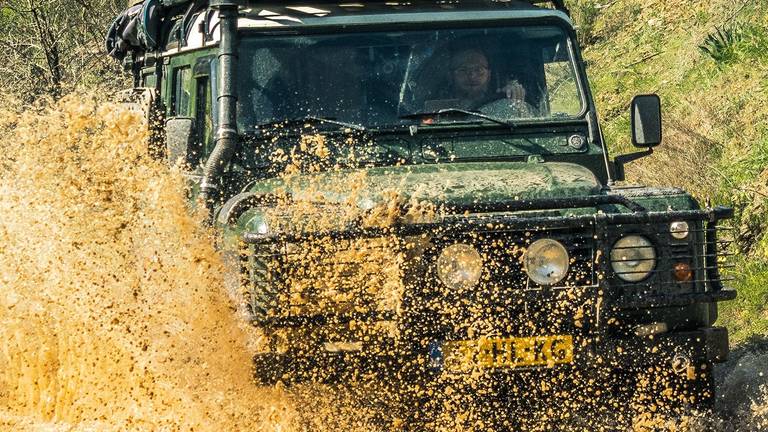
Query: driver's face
471	73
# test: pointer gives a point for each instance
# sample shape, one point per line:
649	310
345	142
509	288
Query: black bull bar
489	217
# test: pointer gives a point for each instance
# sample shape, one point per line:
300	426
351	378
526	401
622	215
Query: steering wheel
505	108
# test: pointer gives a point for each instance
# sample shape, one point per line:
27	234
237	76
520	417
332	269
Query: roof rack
558	4
136	29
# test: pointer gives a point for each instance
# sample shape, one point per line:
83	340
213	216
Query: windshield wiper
311	120
420	115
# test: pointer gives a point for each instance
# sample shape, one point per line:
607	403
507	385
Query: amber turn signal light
682	272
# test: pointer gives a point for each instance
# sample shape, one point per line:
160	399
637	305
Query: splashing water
113	312
111	309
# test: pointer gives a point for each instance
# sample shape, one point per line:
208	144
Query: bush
735	43
585	14
720	45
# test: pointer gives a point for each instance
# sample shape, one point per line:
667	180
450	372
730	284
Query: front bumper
681	349
707	345
675	350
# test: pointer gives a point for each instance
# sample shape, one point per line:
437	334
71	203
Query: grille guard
458	220
465	218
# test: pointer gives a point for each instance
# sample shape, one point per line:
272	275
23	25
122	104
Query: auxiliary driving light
459	266
679	229
633	258
546	261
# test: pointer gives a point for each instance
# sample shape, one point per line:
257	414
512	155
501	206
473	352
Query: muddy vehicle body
531	261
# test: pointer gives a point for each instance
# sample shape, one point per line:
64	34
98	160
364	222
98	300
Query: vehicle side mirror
646	121
179	138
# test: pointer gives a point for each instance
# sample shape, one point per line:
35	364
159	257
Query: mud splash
114	316
111	308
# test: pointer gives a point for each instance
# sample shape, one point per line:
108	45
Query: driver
471	82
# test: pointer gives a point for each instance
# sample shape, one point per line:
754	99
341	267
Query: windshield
388	79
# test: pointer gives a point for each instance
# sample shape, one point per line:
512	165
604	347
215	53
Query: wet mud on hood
456	183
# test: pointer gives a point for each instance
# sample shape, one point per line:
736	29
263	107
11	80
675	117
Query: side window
172	37
203	122
181	94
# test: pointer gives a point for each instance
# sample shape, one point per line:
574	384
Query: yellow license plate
486	353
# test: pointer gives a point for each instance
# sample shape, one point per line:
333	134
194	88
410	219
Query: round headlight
679	230
459	266
633	258
546	262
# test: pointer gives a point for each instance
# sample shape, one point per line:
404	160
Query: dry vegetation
49	47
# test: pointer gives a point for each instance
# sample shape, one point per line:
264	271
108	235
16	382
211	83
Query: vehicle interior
374	79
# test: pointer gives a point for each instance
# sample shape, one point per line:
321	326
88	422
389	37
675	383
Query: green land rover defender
419	191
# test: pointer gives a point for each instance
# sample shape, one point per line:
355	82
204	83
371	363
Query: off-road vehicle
491	237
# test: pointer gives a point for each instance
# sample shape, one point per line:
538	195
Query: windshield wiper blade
310	119
470	113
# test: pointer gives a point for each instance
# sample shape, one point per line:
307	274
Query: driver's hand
513	90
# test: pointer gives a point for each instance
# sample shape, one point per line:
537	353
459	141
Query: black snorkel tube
225	138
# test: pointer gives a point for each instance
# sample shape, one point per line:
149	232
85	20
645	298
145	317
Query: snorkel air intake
225	138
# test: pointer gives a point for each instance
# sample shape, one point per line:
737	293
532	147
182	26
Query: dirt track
742	382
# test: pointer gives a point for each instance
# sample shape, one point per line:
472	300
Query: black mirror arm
622	160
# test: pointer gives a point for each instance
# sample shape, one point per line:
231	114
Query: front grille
325	276
374	274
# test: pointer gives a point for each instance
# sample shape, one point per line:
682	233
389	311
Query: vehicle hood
452	184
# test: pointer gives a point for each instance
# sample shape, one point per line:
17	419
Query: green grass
709	63
747	315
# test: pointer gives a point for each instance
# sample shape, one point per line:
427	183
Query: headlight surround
633	258
459	266
546	261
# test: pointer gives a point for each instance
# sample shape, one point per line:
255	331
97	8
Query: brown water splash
114	316
112	311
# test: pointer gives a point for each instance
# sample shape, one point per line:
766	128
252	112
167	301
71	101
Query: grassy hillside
709	63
